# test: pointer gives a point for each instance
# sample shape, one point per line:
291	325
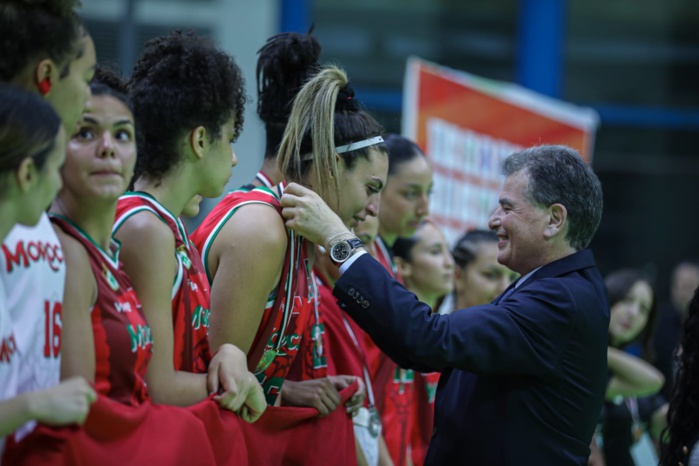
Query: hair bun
111	78
346	100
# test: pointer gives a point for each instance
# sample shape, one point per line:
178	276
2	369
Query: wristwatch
343	249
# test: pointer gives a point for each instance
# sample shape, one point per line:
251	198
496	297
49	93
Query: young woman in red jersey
347	351
427	269
188	99
404	205
106	336
261	272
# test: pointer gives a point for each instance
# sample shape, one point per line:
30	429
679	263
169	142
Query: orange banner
468	125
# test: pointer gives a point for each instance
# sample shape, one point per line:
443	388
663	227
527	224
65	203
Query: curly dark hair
108	81
180	82
38	29
683	415
286	62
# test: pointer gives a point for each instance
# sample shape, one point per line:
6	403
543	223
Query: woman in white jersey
32	150
44	50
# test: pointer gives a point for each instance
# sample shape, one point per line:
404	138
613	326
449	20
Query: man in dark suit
523	378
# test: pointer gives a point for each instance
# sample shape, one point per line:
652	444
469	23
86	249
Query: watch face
340	251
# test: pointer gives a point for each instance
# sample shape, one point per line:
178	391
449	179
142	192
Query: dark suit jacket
523	378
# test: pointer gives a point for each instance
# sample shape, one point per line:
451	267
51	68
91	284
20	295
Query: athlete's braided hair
683	416
38	29
286	62
180	82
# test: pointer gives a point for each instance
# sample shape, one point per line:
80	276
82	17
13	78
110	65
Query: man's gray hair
558	175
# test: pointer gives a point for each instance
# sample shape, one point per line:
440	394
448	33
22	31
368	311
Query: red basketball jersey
190	289
288	307
123	342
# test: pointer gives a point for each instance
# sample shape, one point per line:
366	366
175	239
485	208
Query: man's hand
237	389
308	215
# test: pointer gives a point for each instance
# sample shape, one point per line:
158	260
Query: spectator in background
631	406
685	279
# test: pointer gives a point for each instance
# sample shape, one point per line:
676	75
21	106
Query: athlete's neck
270	168
170	192
94	217
9	215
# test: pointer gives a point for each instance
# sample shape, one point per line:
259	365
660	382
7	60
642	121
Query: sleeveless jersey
33	272
190	290
425	393
288	307
123	342
393	386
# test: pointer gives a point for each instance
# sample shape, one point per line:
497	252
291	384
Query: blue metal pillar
540	35
295	15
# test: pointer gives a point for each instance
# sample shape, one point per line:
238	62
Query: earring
44	86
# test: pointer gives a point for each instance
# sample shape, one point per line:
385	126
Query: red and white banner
468	125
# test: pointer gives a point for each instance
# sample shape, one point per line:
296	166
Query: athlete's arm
245	261
66	403
77	339
148	255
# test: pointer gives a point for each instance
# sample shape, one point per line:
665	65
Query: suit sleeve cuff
350	261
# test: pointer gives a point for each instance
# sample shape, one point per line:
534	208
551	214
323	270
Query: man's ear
198	142
557	221
405	269
26	175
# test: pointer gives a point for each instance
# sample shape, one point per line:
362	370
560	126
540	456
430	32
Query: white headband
349	147
359	144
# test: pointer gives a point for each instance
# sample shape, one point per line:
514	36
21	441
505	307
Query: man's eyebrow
504	200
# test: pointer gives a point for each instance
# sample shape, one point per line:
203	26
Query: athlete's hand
308	215
341	382
228	377
255	403
320	394
66	403
237	389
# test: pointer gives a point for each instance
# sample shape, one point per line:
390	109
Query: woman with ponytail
263	293
682	432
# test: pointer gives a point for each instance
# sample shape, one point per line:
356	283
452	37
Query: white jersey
9	357
33	272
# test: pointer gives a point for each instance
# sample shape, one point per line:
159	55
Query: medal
374	422
267	358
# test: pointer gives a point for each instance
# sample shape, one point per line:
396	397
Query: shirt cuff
350	261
